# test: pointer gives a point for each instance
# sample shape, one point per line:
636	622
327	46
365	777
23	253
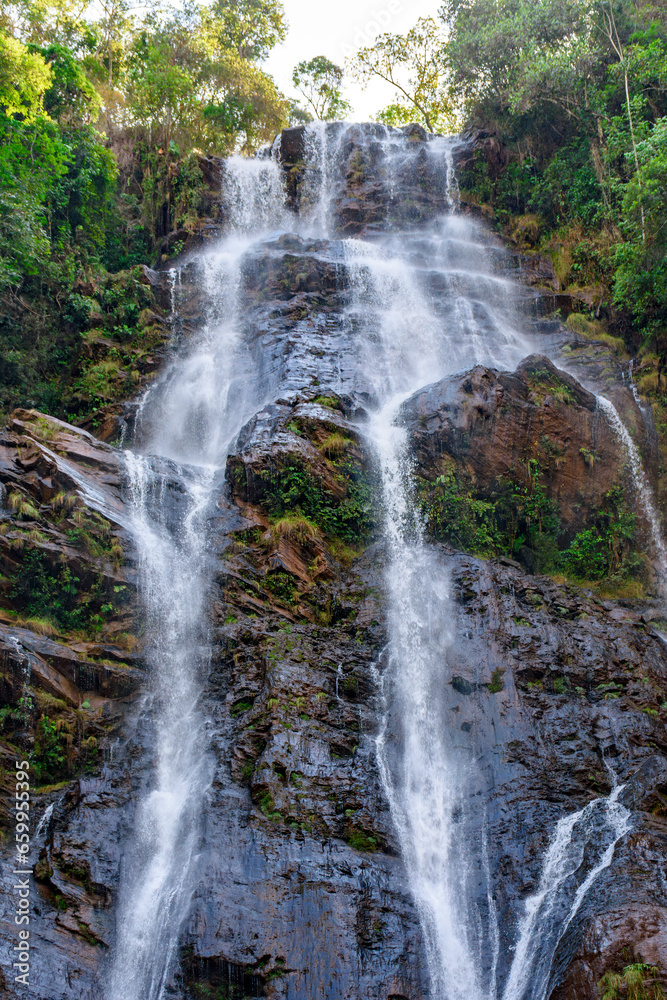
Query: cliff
555	673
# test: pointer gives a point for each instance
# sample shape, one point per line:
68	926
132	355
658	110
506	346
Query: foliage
575	95
294	492
575	98
102	112
641	261
605	550
359	840
24	79
54	593
516	519
70	98
318	81
520	519
637	982
251	27
188	87
412	64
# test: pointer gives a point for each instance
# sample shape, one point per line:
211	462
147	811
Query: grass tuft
296	528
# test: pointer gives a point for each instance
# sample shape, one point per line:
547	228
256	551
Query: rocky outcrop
67	644
537	422
554	692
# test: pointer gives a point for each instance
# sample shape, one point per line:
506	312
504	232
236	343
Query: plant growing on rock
295	527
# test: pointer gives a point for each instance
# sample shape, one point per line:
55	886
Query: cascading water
562	889
424	301
413	337
642	488
186	423
409	341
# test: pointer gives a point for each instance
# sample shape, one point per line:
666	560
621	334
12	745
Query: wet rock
292	145
552	692
580	705
489	424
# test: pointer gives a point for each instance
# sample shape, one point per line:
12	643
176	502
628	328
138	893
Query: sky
336	29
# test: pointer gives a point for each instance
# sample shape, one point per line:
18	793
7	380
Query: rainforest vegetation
575	94
105	115
103	119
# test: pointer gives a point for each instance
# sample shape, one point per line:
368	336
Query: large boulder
493	425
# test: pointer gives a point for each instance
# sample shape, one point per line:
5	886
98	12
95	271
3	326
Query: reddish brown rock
492	424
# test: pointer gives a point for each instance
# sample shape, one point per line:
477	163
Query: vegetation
520	520
103	119
636	982
302	506
568	99
574	95
319	81
413	65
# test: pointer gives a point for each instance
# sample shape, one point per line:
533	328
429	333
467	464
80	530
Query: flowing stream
424	302
185	425
642	488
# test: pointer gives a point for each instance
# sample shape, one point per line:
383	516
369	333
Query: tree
641	276
24	79
319	82
71	98
607	24
413	64
187	87
250	27
44	22
501	55
32	158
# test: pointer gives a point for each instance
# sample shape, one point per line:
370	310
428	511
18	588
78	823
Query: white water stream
642	489
186	423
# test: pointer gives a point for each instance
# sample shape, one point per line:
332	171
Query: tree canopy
318	80
575	92
414	66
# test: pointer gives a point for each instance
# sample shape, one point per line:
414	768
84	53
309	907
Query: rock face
554	691
495	424
577	692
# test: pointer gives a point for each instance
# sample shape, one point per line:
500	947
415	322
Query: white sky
336	29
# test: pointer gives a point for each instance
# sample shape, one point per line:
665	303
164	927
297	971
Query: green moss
239	707
329	401
360	840
497	684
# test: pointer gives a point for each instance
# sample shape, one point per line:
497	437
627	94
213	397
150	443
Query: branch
389	79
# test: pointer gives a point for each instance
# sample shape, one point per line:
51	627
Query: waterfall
642	488
550	911
407	342
424	299
186	423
